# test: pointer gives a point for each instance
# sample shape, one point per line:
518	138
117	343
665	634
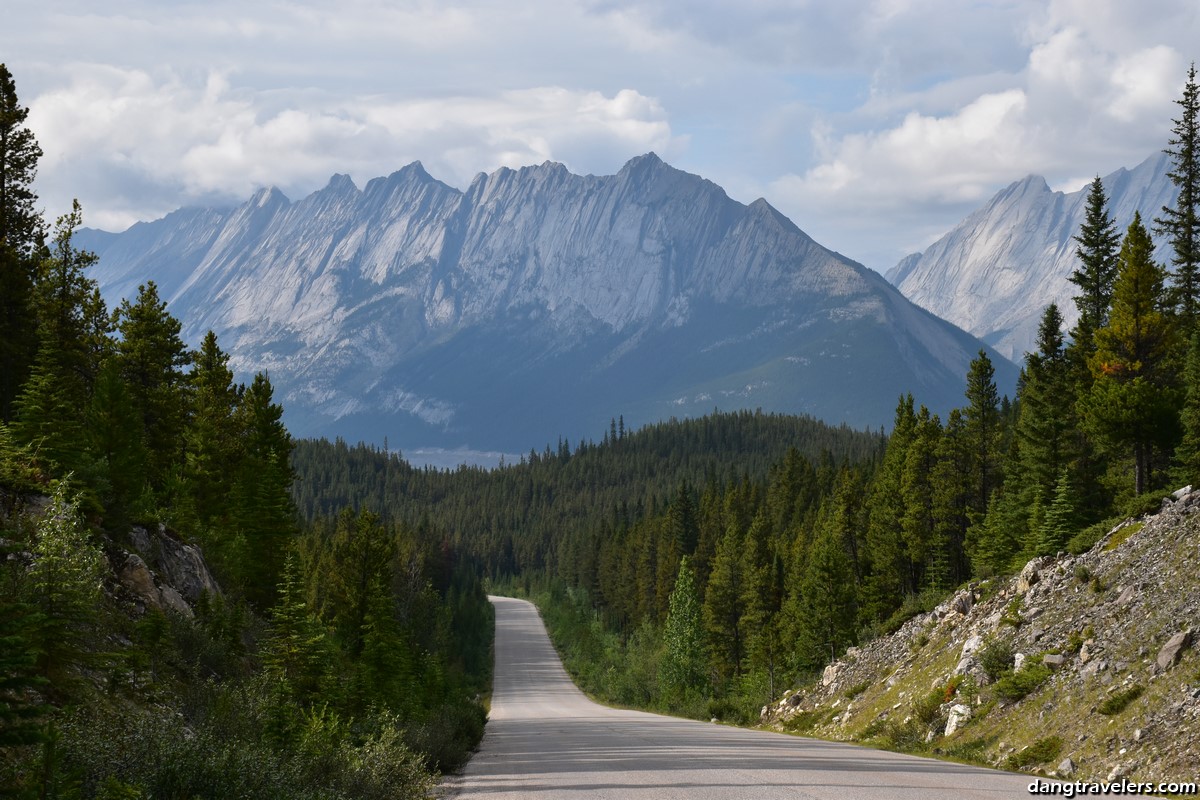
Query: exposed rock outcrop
1105	641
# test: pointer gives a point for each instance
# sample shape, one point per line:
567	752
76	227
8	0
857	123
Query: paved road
545	739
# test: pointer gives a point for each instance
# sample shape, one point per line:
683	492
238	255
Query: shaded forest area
340	658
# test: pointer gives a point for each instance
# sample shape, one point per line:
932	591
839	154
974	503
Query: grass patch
1039	752
855	690
805	721
1120	536
1118	702
971	752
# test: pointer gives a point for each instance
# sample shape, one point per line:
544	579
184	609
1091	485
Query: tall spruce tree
20	232
1133	400
1099	242
1181	224
984	431
1187	455
1046	420
152	357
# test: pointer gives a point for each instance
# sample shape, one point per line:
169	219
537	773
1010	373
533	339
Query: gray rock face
181	566
995	273
548	300
1173	649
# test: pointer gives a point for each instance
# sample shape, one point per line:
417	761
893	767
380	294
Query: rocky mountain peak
542	297
995	272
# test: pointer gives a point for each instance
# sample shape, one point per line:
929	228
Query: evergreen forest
342	657
699	566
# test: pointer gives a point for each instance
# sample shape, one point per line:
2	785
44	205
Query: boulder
830	674
1066	769
1170	652
1031	573
1054	660
958	716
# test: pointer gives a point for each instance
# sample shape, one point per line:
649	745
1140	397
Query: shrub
1119	701
1086	539
1013	686
996	658
855	690
1039	752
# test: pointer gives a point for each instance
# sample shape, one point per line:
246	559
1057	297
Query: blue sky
876	125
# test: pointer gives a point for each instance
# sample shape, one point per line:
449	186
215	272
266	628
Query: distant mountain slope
996	272
537	303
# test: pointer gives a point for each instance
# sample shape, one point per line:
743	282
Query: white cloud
194	141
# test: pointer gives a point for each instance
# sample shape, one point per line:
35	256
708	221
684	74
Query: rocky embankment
1080	667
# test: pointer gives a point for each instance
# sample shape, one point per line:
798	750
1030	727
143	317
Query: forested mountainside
517	519
167	627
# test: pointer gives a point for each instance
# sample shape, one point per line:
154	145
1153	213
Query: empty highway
545	739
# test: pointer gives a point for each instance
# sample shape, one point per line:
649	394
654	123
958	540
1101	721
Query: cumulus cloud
1087	100
151	140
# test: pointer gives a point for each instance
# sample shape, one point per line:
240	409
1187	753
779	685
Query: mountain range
536	304
995	272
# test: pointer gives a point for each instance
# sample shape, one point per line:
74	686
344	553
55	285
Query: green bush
1119	701
1039	752
855	690
1013	686
1086	539
996	658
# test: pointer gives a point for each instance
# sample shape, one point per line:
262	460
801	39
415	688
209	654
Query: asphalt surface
545	739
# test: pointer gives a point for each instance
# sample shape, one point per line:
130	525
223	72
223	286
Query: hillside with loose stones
1080	667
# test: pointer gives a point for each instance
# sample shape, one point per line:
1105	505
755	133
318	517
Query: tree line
344	655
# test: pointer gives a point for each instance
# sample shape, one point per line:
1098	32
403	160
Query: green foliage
1132	405
682	670
1086	539
64	586
20	230
1040	752
996	657
1116	703
1181	223
1014	686
1098	242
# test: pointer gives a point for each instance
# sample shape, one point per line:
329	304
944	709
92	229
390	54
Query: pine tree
1181	224
262	514
1061	520
1187	455
115	442
296	653
20	232
1046	421
885	582
51	409
1132	403
724	609
212	445
917	492
825	608
1098	241
946	563
151	356
984	430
